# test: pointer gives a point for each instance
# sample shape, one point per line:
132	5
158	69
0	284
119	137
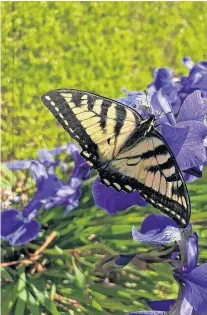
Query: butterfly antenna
160	114
148	105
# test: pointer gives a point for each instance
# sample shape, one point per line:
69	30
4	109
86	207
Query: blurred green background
100	47
96	46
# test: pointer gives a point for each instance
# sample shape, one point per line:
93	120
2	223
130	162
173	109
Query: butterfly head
151	123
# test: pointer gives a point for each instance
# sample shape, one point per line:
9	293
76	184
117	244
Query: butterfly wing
111	141
150	168
98	124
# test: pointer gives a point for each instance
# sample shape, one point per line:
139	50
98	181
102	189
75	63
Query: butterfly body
127	151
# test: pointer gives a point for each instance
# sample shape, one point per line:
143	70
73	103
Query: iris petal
114	201
16	229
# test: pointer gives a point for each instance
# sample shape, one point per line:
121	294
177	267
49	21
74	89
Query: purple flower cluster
19	227
180	106
191	277
182	123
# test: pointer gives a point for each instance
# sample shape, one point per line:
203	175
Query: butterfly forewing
125	158
97	123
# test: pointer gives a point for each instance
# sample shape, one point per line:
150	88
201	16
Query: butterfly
126	150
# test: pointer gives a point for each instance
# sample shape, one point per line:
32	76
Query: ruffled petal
168	235
175	137
162	108
156	223
44	156
195	290
57	150
82	168
191	253
18	165
9	222
31	209
162	76
73	205
194	107
16	229
186	141
114	201
193	173
65	195
38	172
47	156
192	153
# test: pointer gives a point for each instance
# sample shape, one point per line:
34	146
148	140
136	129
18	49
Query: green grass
96	46
100	47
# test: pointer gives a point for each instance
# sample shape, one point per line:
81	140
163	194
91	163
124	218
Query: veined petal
44	156
156	222
10	221
194	107
175	137
192	153
168	235
16	230
114	201
38	172
82	168
57	150
195	290
191	253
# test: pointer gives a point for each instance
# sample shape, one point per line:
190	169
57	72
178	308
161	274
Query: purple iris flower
186	137
157	229
114	201
69	194
163	79
181	121
197	78
192	278
19	227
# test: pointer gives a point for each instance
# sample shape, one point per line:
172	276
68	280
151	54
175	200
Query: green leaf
5	274
21	284
21	304
96	305
33	305
45	301
80	278
10	300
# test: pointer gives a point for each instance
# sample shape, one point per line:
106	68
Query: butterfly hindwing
114	141
149	167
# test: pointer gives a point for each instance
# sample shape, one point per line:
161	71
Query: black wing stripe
104	110
166	165
120	115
